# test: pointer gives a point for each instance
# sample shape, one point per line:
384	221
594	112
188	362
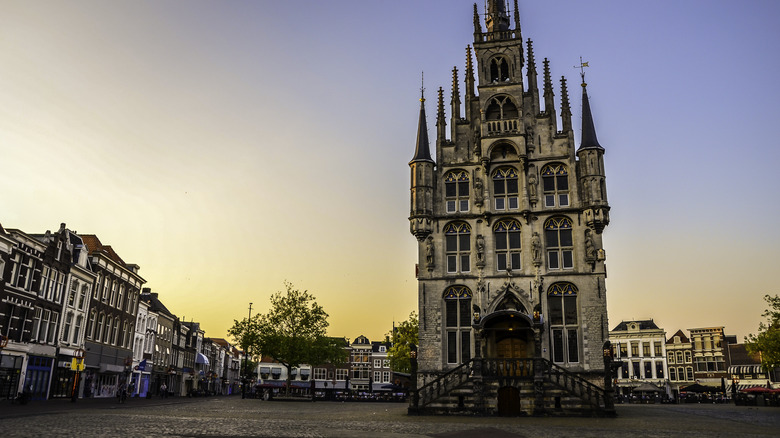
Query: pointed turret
422	167
469	84
423	151
589	140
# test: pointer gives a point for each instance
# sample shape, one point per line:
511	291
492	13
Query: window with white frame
342	373
377	363
377	376
505	188
457	323
555	181
564	323
77	329
386	376
458	246
66	327
456	191
74	285
507	237
560	245
320	373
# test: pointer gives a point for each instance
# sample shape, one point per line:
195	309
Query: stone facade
509	216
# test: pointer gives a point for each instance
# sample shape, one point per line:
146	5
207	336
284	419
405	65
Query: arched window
456	190
555	180
672	374
505	188
66	327
560	247
457	312
120	300
507	236
499	69
564	323
458	246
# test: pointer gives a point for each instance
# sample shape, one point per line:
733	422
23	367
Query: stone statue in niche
479	192
590	247
532	184
429	251
480	251
536	248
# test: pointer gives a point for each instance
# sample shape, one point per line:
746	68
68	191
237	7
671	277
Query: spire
549	94
477	25
589	140
423	151
455	101
497	19
469	75
565	108
517	21
531	65
441	124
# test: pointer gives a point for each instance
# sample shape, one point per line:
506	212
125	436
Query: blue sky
228	146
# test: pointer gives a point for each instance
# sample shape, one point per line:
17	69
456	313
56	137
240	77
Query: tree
767	341
293	332
403	336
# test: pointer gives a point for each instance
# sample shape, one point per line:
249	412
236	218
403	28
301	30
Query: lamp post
244	380
78	363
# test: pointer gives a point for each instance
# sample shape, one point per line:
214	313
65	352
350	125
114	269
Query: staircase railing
515	368
573	383
443	384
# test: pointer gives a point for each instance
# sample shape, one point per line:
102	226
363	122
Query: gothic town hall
509	216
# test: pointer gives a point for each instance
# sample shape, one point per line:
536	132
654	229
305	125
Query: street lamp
78	365
244	380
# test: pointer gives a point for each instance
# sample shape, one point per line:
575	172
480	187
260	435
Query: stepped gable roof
646	324
684	339
94	245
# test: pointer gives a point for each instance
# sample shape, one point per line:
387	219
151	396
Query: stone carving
479	192
429	251
590	247
532	185
536	248
480	251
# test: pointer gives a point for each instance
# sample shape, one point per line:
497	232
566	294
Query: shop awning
200	358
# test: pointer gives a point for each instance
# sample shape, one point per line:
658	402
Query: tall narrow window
77	329
507	237
74	285
66	327
555	180
564	322
456	191
91	325
505	188
560	247
457	300
458	246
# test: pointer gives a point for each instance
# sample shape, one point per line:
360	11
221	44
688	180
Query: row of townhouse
706	356
366	374
75	319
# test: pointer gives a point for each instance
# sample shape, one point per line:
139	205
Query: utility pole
246	357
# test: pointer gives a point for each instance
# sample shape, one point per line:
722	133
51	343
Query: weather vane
422	86
582	66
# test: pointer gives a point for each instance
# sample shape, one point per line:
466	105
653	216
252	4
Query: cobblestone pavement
232	416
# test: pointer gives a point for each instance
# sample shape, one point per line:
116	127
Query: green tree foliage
293	332
767	341
404	335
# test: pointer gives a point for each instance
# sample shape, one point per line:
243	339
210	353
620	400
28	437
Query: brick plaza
232	416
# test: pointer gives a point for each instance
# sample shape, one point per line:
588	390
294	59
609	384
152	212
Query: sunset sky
228	146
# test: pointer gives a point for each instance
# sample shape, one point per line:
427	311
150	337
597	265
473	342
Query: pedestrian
163	390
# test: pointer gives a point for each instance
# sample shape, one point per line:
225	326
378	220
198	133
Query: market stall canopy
756	390
699	388
647	387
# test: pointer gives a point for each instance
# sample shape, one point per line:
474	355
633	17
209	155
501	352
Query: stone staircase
542	388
